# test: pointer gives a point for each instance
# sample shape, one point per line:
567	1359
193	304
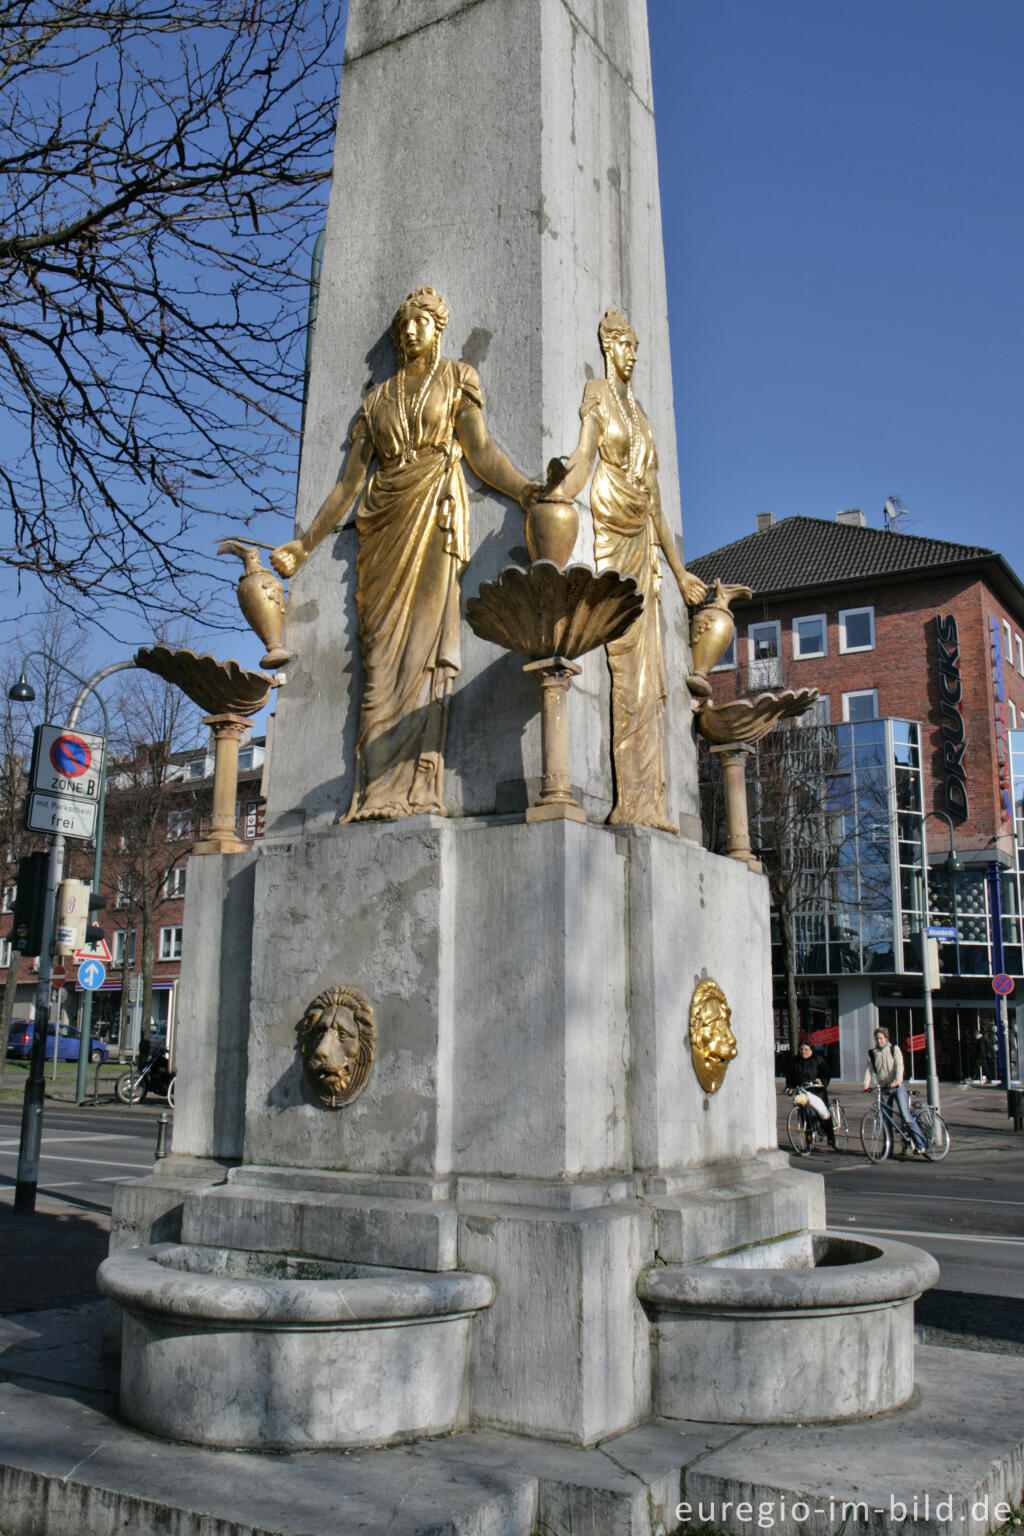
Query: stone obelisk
532	1113
503	152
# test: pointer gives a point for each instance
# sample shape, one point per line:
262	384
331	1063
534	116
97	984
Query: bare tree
152	815
161	180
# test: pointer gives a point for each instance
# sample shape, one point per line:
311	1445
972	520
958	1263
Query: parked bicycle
156	1076
806	1128
883	1133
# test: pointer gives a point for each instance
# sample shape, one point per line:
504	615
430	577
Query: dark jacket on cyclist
803	1070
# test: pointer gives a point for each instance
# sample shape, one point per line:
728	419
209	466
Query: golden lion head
712	1042
337	1037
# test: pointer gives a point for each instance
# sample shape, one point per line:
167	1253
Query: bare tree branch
162	170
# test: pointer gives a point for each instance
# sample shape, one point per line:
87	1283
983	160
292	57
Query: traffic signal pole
35	1088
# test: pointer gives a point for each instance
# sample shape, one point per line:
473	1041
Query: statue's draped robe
413	524
625	541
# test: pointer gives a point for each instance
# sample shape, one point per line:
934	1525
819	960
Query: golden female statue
413	524
629	530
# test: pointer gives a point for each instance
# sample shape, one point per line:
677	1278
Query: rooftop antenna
892	512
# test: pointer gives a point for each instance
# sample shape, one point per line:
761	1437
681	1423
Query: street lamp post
35	1088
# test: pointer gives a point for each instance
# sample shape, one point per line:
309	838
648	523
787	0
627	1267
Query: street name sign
935	932
67	763
59	813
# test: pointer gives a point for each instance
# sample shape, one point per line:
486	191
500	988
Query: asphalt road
84	1151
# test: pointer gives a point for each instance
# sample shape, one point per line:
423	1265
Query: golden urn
710	633
261	599
552	523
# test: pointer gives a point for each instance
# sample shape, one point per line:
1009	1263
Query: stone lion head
712	1042
337	1038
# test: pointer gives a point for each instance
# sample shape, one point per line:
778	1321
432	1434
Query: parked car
69	1043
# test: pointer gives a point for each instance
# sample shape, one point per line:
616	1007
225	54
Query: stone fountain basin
814	1328
249	1350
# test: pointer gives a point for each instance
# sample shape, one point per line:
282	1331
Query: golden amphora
710	633
261	599
552	522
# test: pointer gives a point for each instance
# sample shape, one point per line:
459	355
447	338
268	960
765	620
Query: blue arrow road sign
91	975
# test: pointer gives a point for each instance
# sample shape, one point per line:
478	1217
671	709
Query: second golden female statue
629	532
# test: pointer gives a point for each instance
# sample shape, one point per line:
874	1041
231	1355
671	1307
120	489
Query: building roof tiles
813	552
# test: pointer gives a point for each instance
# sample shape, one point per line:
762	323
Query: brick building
928	635
184	809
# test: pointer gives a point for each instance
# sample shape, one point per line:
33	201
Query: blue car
69	1043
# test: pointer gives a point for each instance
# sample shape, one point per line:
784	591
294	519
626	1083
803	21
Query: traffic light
72	917
30	904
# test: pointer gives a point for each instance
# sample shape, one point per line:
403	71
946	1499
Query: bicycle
882	1125
806	1129
133	1086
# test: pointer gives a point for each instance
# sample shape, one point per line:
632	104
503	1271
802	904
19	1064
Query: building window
1018	646
765	641
196	769
856	629
1007	644
810	637
174	883
1013	714
5	954
170	943
860	705
179	825
120	939
245	759
126	892
729	659
7	904
820	712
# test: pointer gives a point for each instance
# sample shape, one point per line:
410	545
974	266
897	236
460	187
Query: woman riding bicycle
885	1066
807	1070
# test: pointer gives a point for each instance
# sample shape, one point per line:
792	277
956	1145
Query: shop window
856	629
810	637
170	943
862	704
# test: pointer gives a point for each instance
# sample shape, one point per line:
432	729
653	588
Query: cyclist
809	1071
885	1066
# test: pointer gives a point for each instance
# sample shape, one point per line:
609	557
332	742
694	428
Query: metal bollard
161	1135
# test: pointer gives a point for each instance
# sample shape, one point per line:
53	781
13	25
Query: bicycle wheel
800	1138
841	1127
936	1134
170	1093
130	1088
875	1137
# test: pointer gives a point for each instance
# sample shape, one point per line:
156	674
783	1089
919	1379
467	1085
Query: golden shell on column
712	1042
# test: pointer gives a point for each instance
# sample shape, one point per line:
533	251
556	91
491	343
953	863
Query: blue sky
844	234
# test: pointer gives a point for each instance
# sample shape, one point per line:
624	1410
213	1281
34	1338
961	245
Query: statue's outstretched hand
692	588
529	493
287	558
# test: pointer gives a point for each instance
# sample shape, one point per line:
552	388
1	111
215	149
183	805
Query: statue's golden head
420	301
615	327
712	1042
337	1038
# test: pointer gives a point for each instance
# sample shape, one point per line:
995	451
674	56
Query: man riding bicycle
885	1066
